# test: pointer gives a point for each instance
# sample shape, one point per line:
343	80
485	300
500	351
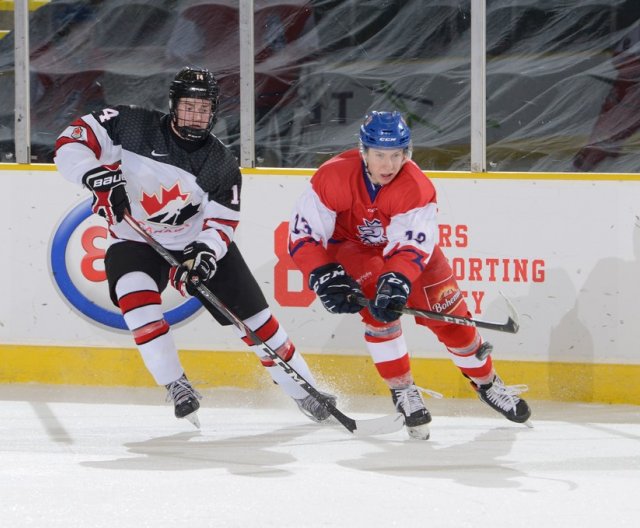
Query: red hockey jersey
342	204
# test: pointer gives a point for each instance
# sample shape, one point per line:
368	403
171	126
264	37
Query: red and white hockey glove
110	199
198	266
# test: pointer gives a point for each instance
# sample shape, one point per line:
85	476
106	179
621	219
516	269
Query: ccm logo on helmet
76	261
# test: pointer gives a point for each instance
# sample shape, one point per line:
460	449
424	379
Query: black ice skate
409	402
314	409
504	399
185	398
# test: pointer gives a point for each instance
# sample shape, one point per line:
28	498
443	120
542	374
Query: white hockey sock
388	349
140	304
267	328
285	381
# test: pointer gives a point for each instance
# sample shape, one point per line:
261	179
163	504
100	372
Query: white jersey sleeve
417	228
311	219
82	146
219	227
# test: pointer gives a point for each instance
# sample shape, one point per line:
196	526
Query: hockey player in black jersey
183	186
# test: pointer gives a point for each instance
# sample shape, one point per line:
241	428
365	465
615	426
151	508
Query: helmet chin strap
192	134
367	173
197	134
364	164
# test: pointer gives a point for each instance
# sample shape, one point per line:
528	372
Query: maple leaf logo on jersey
78	132
169	206
372	232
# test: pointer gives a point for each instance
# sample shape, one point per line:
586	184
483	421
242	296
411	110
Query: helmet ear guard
195	83
385	130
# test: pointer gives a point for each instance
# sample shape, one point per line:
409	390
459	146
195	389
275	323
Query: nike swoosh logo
157	154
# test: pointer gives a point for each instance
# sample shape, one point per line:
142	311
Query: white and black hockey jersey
178	196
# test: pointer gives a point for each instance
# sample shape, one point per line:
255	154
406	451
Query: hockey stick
511	326
383	425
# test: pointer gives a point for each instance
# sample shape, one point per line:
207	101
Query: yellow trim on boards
92	366
9	5
274	171
28	167
575	176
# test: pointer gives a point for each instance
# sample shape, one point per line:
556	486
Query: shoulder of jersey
412	169
415	188
138	112
341	163
348	156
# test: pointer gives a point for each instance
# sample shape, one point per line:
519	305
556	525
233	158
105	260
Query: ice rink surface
88	457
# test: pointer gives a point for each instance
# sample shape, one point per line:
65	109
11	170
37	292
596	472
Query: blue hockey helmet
385	130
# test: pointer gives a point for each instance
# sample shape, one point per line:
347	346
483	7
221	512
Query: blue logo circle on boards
80	301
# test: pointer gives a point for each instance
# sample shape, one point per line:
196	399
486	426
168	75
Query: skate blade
193	419
529	424
420	432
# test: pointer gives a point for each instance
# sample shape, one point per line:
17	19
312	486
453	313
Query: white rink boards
566	252
564	248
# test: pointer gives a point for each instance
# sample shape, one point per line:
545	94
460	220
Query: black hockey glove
392	294
198	266
110	199
334	287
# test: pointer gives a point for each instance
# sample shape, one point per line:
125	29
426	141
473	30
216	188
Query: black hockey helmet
198	83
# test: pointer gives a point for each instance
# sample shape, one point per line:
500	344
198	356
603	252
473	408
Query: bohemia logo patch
77	267
443	297
169	206
372	232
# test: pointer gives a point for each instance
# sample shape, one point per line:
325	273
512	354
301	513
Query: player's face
384	164
194	113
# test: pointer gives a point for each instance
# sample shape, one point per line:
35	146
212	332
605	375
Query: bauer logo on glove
110	198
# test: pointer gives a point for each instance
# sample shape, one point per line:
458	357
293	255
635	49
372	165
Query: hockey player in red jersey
367	224
183	186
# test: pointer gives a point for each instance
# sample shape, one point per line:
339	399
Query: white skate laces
505	396
430	392
184	397
505	399
409	402
315	409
